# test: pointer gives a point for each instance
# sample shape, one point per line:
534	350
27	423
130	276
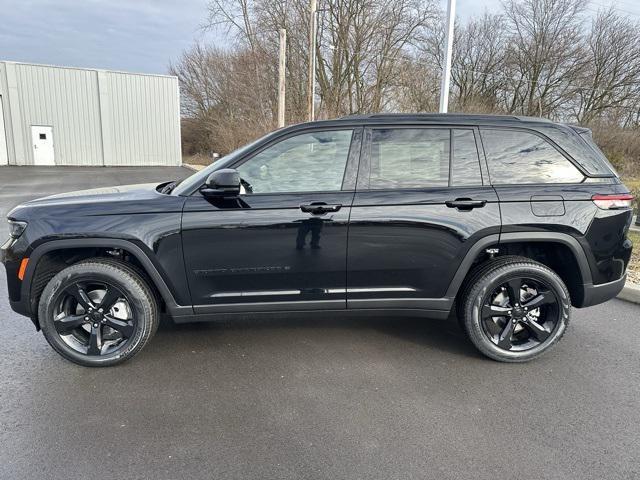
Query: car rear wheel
513	309
98	312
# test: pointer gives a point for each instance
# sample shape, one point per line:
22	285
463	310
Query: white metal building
86	117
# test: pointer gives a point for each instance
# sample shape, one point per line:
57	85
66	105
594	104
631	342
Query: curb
195	168
630	293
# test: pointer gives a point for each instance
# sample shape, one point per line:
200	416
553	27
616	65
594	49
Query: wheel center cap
96	316
518	312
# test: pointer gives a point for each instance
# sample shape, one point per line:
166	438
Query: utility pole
311	88
448	42
281	77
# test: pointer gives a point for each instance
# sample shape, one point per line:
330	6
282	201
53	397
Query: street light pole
311	88
448	42
282	63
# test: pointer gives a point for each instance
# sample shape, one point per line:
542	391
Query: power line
612	7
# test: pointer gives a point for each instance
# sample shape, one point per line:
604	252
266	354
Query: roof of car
433	118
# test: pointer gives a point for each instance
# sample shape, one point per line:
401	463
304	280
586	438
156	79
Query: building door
42	140
4	159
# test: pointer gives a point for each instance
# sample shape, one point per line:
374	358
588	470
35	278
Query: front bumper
596	294
11	256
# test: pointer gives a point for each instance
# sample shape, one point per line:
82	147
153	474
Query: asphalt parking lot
300	399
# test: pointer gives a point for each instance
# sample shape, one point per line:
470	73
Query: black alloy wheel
98	312
513	308
94	318
520	314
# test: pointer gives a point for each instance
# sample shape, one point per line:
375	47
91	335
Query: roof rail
439	116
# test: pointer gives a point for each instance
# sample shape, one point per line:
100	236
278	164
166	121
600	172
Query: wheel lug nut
100	310
95	325
86	318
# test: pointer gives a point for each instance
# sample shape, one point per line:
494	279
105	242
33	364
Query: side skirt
319	314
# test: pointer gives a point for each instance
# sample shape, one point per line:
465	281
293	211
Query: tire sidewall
142	310
488	283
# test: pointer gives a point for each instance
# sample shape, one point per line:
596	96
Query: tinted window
517	157
465	167
309	162
409	158
583	153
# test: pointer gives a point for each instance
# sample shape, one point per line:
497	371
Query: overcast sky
130	35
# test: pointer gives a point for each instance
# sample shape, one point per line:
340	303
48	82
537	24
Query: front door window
311	162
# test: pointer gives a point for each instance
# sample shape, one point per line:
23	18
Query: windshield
187	185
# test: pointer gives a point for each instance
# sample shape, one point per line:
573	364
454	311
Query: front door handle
320	208
465	204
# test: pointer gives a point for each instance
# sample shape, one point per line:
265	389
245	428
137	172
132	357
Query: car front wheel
98	312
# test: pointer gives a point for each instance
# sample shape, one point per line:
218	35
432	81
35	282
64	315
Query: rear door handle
465	204
320	208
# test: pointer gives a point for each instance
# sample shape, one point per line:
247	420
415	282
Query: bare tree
417	87
612	79
544	56
478	55
536	57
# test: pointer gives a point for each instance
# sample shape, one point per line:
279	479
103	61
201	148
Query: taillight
614	201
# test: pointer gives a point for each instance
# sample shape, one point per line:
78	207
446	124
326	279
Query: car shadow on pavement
432	334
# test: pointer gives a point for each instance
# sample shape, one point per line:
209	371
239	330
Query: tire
512	324
110	339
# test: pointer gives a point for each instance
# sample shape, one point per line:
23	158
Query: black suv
506	221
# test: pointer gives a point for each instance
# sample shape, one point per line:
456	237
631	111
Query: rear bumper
595	294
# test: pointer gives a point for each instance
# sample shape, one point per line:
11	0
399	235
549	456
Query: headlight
16	228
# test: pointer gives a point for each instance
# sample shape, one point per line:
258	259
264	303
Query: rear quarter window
582	150
521	157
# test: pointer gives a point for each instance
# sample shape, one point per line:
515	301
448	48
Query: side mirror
224	183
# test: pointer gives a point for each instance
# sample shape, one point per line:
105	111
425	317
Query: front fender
165	288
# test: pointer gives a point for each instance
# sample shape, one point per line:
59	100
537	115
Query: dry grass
634	265
633	183
196	159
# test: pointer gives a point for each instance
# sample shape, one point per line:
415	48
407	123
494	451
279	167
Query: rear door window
423	158
519	157
465	164
409	158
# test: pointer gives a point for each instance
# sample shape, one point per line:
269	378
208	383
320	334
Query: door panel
265	251
405	246
273	250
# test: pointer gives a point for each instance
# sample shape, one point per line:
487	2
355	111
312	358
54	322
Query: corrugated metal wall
98	117
144	115
4	98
